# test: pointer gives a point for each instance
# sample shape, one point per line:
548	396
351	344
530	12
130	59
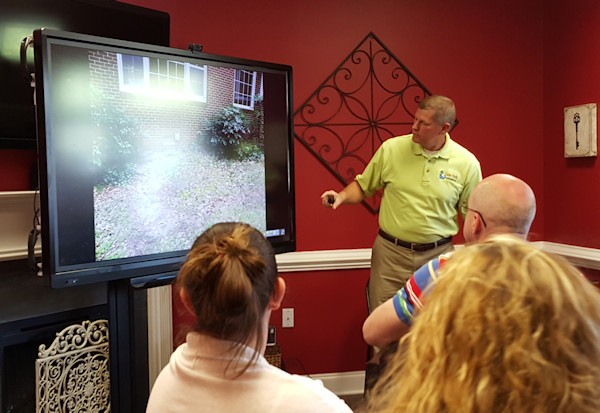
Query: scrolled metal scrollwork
367	99
72	375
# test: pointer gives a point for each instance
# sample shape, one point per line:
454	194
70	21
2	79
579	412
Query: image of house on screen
173	146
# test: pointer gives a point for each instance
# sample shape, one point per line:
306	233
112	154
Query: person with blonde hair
230	283
507	328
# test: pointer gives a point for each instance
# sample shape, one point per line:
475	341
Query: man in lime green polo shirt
427	178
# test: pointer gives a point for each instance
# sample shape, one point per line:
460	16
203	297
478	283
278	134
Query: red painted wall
16	170
571	77
327	333
487	56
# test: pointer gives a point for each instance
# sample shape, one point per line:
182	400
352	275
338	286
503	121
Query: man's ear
278	294
187	302
446	128
477	228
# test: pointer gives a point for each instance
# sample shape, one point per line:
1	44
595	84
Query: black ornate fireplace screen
367	99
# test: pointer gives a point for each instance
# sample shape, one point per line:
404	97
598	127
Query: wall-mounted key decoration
576	120
580	130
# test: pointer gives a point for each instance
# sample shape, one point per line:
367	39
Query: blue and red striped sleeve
408	300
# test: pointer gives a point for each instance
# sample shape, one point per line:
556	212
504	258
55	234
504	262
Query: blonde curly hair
507	328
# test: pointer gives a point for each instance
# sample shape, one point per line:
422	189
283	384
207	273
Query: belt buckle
412	246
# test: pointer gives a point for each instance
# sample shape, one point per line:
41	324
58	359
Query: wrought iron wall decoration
367	99
72	375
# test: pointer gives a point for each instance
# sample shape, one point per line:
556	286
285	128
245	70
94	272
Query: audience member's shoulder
304	394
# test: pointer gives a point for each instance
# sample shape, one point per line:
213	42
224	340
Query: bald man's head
500	203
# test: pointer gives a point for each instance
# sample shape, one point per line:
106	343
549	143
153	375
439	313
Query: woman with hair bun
507	328
230	283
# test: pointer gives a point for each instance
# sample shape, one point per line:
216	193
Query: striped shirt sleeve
407	301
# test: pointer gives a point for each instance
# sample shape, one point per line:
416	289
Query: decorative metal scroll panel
367	99
72	375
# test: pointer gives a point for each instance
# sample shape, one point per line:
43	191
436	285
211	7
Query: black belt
412	245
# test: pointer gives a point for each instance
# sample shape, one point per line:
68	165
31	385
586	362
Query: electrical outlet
272	337
287	318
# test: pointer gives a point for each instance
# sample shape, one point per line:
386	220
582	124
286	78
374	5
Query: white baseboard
343	384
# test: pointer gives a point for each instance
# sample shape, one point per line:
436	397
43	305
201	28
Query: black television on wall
19	18
143	147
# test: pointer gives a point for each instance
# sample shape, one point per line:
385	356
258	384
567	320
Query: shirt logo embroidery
449	175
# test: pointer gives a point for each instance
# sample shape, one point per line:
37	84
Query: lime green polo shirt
421	194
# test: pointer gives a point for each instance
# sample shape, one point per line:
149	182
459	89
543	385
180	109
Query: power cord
299	362
34	263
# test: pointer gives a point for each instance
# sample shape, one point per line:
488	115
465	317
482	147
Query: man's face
426	131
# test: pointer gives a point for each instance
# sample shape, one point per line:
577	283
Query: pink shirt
194	380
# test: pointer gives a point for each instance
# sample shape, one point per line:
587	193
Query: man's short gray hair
445	111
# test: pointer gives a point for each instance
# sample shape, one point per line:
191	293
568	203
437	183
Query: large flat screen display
142	147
